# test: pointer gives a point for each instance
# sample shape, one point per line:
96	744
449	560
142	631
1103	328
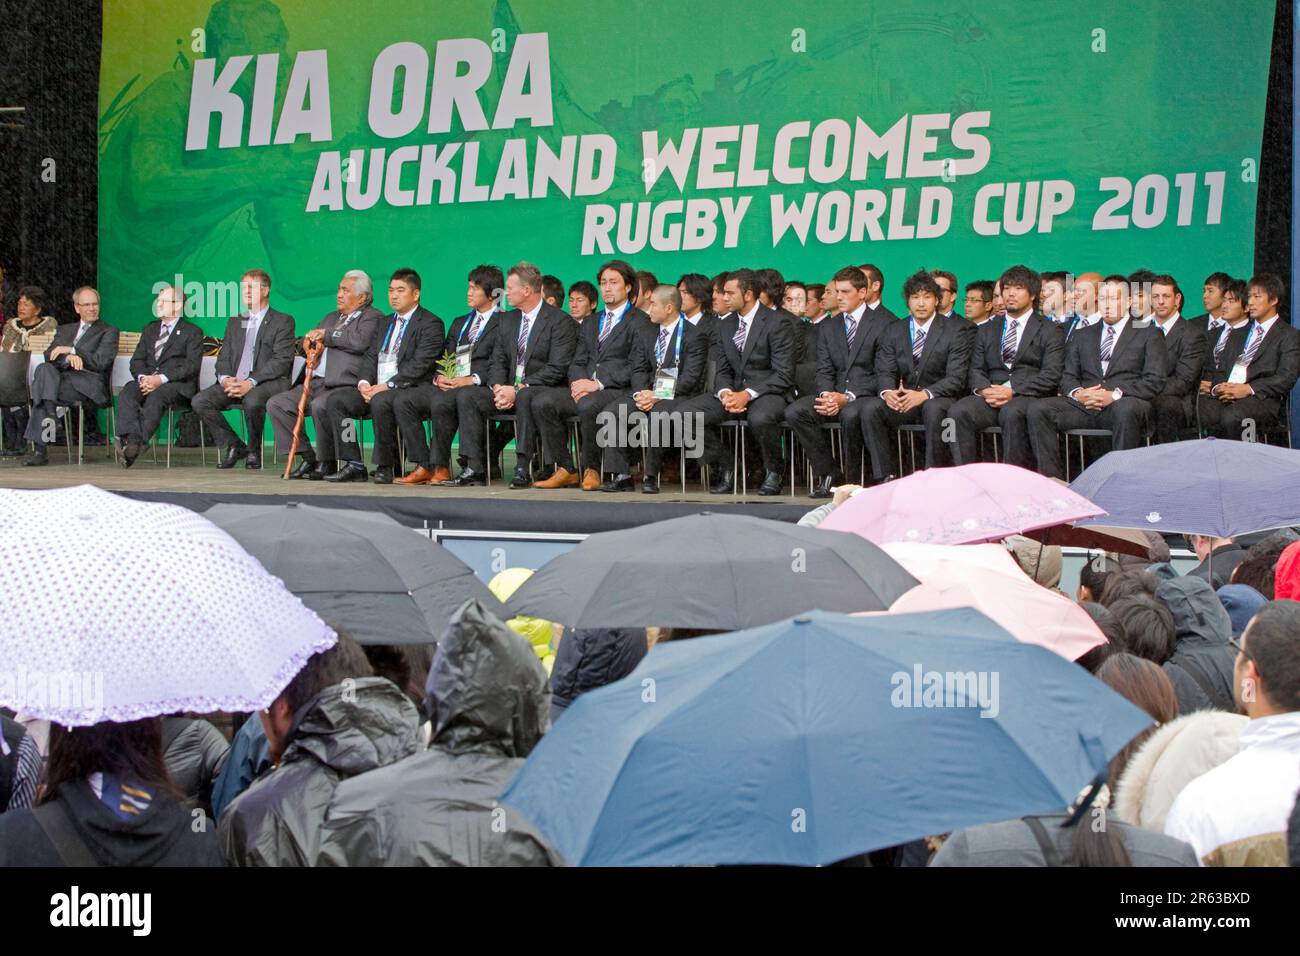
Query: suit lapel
532	332
1127	336
1031	330
858	336
751	338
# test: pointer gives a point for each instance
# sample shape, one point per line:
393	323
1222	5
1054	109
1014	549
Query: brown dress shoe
440	474
563	478
591	480
421	476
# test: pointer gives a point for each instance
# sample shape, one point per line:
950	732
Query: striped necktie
918	345
1009	342
522	344
1108	344
739	338
606	326
164	333
474	327
1253	347
850	329
1221	344
660	345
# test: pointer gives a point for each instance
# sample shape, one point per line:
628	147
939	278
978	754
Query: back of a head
130	750
1124	584
1094	574
1111	629
324	669
1144	684
1272	641
1148	627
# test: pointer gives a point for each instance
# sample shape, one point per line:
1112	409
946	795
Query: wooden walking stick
312	349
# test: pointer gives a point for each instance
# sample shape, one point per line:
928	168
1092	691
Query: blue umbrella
819	738
1209	486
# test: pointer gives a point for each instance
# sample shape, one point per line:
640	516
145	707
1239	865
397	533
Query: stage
496	508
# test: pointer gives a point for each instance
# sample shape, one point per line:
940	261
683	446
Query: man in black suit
1113	370
76	369
875	291
947	283
1212	292
534	350
754	348
164	373
461	400
846	376
254	365
402	355
345	333
1232	316
1018	358
598	377
1185	354
1260	365
669	365
922	367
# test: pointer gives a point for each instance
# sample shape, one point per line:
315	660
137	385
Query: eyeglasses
1235	644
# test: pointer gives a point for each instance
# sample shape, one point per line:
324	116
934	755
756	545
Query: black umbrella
362	572
711	571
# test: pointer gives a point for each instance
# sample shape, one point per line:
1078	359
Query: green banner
312	138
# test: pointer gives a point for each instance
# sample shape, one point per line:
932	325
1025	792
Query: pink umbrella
962	505
987	578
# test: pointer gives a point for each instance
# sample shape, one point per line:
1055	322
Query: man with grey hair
346	333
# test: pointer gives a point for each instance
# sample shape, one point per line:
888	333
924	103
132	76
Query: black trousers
879	421
283	412
345	408
971	415
412	406
50	389
765	416
550	412
1229	419
1172	414
138	416
213	400
816	441
1049	417
468	418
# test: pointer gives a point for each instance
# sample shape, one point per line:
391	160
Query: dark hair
1218	279
400	663
645	280
920	281
815	290
583	287
553	288
1124	584
983	286
773	283
325	669
852	274
1093	577
1166	279
1258	567
409	276
1141	277
1116	279
1025	277
699	288
943	274
35	295
488	278
1269	283
747	279
1236	288
1273	642
684	633
1148	627
260	275
132	751
720	280
624	269
794	284
1111	629
1145	684
873	274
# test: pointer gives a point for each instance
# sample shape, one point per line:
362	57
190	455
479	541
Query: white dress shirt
165	331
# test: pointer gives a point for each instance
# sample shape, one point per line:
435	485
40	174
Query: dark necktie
739	338
522	344
661	344
1252	348
918	345
606	326
164	334
1108	344
850	329
474	327
1219	345
1009	342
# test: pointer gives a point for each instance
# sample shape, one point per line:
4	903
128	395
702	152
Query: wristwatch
1117	394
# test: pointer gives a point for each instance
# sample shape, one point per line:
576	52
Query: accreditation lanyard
675	342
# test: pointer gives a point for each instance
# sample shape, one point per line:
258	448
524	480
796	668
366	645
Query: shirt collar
859	312
694	319
617	313
484	315
532	314
258	316
407	315
1267	326
1023	317
1119	327
671	327
749	316
915	324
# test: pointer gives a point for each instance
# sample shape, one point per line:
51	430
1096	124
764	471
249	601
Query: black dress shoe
649	485
232	456
725	484
254	461
350	472
618	483
521	478
825	487
323	471
383	475
37	458
771	484
304	469
873	481
466	478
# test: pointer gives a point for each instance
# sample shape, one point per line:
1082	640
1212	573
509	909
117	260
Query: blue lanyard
469	324
676	342
388	337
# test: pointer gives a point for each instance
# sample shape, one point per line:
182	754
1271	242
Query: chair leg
170	432
81	432
487	444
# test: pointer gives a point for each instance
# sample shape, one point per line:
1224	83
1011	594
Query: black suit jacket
767	363
945	360
1208	367
346	341
1185	356
417	358
1035	370
549	352
608	361
1276	366
844	369
97	349
181	359
1138	363
484	350
687	351
881	310
273	353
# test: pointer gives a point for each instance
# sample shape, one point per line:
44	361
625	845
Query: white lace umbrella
114	609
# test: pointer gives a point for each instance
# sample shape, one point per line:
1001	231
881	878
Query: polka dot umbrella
114	610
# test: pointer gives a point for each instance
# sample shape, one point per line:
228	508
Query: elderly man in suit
164	373
254	365
345	333
77	367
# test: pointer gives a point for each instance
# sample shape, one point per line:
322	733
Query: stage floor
189	483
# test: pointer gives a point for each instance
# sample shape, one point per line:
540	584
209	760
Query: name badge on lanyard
463	355
665	383
387	368
1238	374
519	374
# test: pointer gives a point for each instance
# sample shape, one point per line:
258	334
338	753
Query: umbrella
1095	538
962	505
1207	486
710	571
376	580
987	578
116	610
818	738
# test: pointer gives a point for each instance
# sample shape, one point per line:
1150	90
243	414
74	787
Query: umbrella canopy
1208	486
819	738
710	571
1095	538
117	610
962	505
377	580
987	578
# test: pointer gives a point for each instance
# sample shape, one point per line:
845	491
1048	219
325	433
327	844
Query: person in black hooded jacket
107	801
588	658
1201	665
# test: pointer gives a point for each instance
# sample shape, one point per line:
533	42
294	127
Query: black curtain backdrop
49	63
